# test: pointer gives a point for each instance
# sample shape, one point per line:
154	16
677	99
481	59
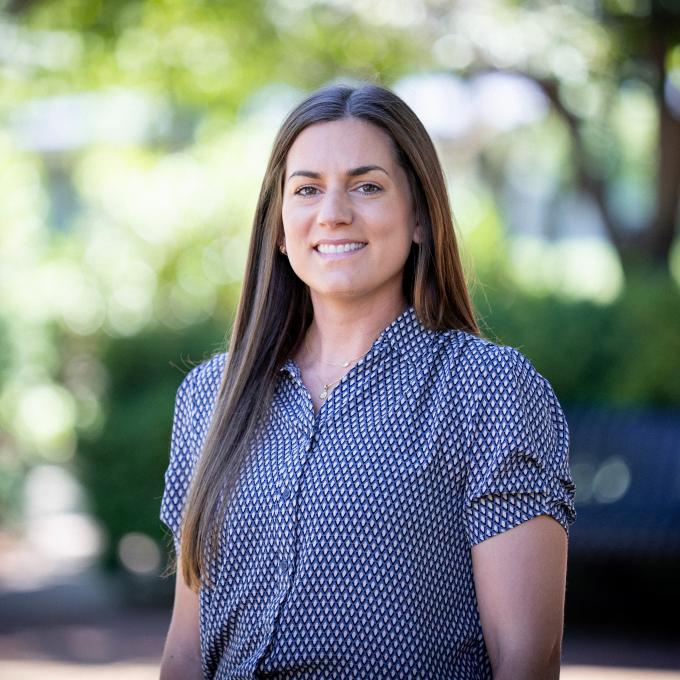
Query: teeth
343	248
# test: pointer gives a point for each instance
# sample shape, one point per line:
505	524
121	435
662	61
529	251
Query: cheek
288	209
293	219
393	230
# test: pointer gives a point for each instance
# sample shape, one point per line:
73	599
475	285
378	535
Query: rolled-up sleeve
518	454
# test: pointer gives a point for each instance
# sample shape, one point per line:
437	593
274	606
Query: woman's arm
182	654
520	580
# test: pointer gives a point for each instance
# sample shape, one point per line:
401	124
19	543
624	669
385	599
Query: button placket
288	495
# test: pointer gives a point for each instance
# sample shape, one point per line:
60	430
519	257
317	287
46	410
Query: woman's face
342	185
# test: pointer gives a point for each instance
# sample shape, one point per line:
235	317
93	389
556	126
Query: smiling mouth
329	249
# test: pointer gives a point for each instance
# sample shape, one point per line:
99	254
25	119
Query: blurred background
133	139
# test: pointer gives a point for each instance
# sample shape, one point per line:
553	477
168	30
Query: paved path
128	644
39	670
80	630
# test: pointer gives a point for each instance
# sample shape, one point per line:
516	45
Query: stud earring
282	248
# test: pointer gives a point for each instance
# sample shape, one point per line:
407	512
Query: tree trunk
661	232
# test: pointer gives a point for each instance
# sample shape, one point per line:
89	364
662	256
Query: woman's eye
375	188
301	191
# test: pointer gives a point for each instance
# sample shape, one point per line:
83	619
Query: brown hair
274	309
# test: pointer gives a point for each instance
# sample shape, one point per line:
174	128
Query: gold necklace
324	392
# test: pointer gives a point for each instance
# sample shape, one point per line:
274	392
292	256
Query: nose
334	208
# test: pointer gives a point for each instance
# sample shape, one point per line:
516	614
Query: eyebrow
354	172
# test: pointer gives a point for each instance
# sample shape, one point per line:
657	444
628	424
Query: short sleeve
518	466
182	460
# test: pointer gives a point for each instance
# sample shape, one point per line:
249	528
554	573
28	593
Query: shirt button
285	493
283	566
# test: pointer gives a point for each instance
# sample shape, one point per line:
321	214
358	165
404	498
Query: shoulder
480	360
209	372
201	383
477	370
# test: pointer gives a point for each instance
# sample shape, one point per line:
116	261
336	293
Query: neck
344	331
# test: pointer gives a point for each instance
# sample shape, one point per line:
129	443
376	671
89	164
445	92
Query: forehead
344	143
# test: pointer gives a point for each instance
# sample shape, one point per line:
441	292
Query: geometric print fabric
345	551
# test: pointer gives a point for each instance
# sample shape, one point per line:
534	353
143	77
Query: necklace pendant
346	364
324	393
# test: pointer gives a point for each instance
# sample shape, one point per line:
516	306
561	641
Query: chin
338	291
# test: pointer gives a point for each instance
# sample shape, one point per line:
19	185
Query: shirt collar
405	334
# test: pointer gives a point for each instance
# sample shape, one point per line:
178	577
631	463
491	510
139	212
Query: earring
282	248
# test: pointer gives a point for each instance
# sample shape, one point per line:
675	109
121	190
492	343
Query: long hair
275	310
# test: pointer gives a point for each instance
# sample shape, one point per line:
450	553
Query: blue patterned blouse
346	550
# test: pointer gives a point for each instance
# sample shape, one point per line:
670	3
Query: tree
574	50
587	57
644	45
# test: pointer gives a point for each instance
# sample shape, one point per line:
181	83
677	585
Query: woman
380	492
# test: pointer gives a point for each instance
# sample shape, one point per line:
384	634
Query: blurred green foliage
623	353
134	136
122	466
